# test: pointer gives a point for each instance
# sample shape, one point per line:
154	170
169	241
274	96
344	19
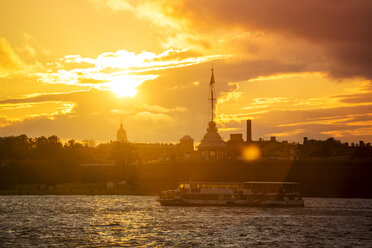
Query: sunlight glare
125	87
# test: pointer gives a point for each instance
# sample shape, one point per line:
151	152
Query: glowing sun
125	87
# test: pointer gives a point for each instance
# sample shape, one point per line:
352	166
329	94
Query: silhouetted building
236	137
212	147
186	148
249	130
155	152
186	143
235	146
274	149
121	135
166	152
325	148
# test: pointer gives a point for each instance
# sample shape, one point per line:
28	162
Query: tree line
49	161
71	153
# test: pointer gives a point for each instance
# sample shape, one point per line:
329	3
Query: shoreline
70	192
133	193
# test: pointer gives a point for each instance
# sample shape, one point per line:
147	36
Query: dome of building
186	144
212	147
212	139
121	134
187	137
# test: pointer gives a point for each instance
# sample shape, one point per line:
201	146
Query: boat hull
179	202
251	194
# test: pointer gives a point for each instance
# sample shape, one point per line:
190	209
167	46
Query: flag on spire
212	78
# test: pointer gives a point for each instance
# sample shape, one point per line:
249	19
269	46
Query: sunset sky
77	68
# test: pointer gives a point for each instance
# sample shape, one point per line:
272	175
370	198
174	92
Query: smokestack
249	130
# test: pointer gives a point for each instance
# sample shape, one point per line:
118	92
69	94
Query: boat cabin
255	187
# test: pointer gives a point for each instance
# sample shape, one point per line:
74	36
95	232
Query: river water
116	221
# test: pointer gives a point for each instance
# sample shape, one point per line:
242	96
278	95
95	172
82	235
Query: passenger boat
266	194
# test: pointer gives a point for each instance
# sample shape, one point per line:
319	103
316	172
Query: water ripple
139	221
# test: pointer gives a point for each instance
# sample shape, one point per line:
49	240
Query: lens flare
251	152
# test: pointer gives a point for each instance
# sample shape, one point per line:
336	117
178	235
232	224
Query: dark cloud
357	98
341	27
342	20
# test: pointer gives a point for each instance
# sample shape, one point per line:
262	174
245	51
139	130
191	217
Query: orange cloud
288	133
365	131
121	71
20	111
9	60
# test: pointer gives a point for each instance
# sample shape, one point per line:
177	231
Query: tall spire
212	147
212	78
212	93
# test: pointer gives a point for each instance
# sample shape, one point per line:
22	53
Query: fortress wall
317	177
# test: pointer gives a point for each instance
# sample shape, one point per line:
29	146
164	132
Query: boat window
271	188
288	188
296	188
227	197
247	186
